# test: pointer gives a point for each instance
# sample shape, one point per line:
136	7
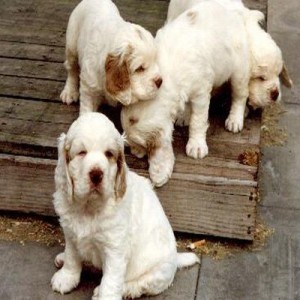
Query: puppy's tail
187	259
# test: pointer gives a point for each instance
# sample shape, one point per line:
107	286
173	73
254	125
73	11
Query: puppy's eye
140	69
82	153
261	78
109	154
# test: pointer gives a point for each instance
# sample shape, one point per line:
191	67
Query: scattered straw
271	133
30	229
48	232
218	248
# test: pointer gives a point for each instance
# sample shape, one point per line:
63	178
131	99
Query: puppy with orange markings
111	217
108	59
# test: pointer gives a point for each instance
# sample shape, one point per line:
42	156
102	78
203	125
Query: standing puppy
111	217
115	60
267	65
197	53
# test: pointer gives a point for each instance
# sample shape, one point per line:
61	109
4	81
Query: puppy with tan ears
197	53
107	59
267	66
204	47
111	217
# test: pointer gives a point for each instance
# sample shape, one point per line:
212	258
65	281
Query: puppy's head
264	86
91	161
146	125
131	69
268	69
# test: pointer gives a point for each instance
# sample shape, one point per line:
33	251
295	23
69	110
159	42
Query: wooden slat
32	69
30	88
45	23
20	118
28	186
31	51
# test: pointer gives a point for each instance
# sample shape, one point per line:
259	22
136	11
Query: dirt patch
250	157
272	134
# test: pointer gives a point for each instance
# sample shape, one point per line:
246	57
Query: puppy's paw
160	173
69	94
110	296
234	123
196	148
59	260
64	281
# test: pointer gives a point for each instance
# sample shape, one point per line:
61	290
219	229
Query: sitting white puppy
197	52
115	60
111	217
267	65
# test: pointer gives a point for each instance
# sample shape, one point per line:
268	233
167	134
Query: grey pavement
272	273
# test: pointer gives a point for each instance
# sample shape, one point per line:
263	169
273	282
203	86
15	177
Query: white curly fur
197	52
266	58
114	221
95	31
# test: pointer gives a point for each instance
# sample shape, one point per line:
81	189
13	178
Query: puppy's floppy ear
117	80
120	183
285	77
63	181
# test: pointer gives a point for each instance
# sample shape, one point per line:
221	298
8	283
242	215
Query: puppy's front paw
64	281
97	296
69	94
59	260
160	172
234	123
196	148
160	175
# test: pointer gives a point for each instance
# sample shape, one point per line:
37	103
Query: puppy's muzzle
96	176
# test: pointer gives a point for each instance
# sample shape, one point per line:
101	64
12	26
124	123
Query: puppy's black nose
96	176
158	81
274	95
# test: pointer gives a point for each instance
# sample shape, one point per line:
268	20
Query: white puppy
115	60
266	58
111	217
197	52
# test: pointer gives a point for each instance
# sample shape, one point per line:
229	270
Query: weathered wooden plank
30	88
41	138
191	206
32	51
45	23
32	69
20	120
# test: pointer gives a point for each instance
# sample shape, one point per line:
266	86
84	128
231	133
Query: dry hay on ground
271	132
23	229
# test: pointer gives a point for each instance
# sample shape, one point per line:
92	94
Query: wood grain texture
209	196
32	69
191	206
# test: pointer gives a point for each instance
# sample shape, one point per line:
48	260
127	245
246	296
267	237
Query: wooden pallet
213	196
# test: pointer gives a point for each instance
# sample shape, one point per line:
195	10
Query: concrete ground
272	273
